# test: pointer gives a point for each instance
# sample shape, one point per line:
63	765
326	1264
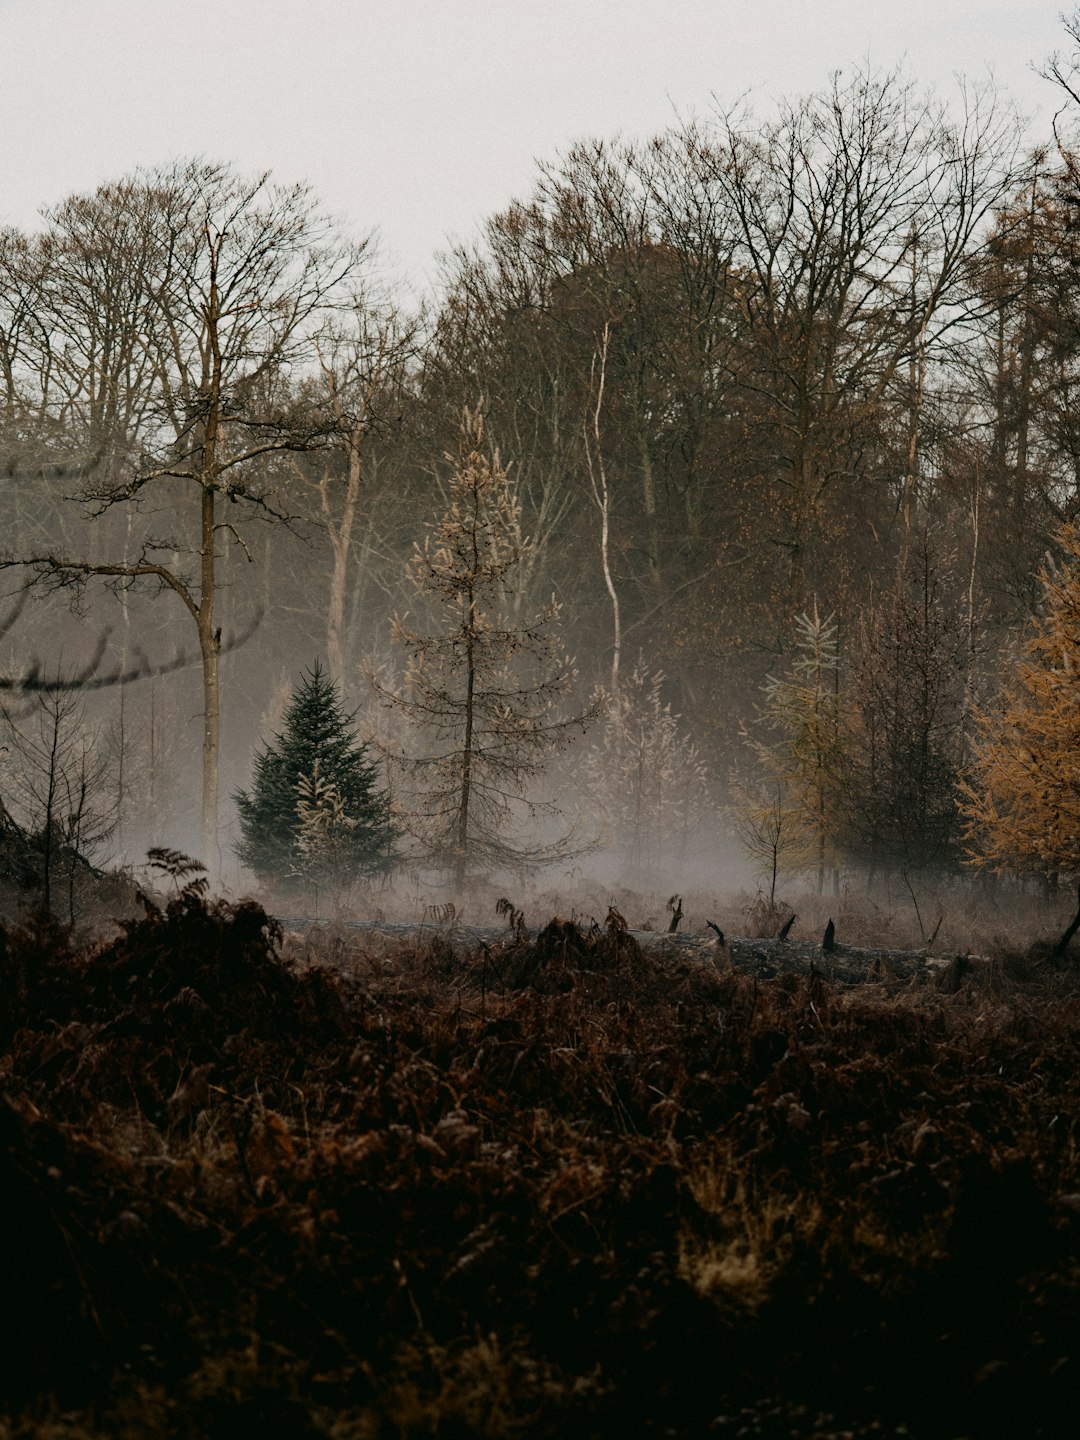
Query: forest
373	665
765	431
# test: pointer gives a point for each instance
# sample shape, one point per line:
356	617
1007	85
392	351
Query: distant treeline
789	398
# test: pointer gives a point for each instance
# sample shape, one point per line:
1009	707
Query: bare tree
235	278
601	493
24	344
56	782
362	358
903	741
770	828
857	213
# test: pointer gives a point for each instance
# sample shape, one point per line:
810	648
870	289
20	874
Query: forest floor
558	1186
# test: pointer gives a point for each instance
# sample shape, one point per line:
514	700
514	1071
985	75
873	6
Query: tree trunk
209	634
340	544
335	610
1063	943
762	959
209	651
648	495
462	839
602	497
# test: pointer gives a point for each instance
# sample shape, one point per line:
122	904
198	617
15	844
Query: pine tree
314	813
643	776
485	685
1021	799
798	751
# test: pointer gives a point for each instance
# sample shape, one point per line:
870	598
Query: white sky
420	117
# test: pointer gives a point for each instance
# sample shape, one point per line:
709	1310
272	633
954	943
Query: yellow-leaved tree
1021	797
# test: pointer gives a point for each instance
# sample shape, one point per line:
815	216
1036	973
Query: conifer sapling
314	812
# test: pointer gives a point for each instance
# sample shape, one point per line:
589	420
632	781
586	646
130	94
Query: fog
675	548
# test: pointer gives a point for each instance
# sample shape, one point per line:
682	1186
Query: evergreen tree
799	754
643	777
314	812
485	686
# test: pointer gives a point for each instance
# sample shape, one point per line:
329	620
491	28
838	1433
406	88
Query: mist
762	465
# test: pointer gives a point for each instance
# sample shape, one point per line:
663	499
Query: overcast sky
420	117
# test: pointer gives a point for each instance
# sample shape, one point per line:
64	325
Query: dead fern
188	875
569	1130
515	918
616	923
440	914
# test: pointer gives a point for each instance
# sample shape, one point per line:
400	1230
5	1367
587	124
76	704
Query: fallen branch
764	958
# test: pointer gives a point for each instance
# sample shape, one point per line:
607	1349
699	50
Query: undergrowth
555	1187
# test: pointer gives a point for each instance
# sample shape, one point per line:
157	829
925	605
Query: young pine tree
484	685
643	777
798	751
314	812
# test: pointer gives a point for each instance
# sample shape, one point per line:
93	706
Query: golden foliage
1021	799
